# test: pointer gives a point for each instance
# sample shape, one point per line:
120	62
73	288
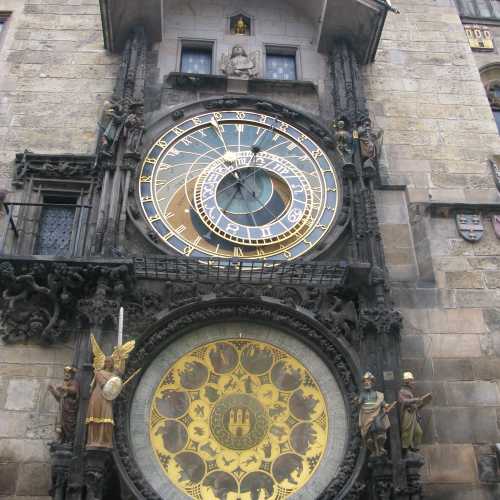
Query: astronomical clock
238	184
236	404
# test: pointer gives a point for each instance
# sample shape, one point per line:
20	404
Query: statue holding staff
67	395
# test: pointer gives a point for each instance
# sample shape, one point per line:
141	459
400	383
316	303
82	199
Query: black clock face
238	184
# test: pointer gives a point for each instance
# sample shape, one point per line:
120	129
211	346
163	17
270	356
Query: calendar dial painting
238	419
238	184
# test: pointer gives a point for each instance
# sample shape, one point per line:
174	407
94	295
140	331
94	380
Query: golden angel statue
105	387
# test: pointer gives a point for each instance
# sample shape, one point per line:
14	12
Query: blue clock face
238	184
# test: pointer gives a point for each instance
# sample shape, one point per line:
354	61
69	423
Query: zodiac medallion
238	419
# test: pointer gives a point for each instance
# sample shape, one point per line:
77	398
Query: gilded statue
411	430
106	387
239	64
373	416
67	395
241	27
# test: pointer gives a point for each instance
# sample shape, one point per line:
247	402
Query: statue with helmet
105	388
373	416
411	429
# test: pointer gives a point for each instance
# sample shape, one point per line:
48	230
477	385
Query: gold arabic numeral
196	120
329	207
151	161
145	199
283	126
308	222
162	144
145	178
218	116
188	250
173	152
238	252
286	253
317	153
177	131
153	218
262	119
323	227
301	138
307	242
332	190
241	115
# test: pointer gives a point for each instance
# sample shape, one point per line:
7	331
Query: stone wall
425	92
54	75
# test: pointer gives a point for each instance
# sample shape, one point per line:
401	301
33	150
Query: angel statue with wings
106	386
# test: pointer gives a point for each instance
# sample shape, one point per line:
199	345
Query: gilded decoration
238	419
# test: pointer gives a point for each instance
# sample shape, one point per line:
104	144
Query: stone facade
424	90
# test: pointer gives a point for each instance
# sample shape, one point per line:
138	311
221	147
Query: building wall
54	76
425	92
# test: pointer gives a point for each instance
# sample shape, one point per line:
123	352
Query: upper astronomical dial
238	184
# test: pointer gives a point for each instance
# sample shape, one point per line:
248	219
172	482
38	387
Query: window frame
201	44
271	49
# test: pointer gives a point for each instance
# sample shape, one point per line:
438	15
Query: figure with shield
106	386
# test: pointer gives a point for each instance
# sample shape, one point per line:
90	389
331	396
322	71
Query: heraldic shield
496	224
470	227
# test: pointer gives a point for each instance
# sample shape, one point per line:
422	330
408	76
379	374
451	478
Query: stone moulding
339	358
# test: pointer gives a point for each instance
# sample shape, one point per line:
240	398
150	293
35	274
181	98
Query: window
56	226
4	16
281	63
196	57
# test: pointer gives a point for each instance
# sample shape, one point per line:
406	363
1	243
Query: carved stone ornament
239	64
54	166
212	311
39	299
470	227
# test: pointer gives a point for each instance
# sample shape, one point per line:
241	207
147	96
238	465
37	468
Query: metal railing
14	232
243	271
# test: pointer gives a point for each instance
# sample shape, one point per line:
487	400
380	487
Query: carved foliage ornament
150	345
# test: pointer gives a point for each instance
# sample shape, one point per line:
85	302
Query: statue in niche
373	416
115	116
343	141
239	64
240	25
411	430
67	395
134	128
105	388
